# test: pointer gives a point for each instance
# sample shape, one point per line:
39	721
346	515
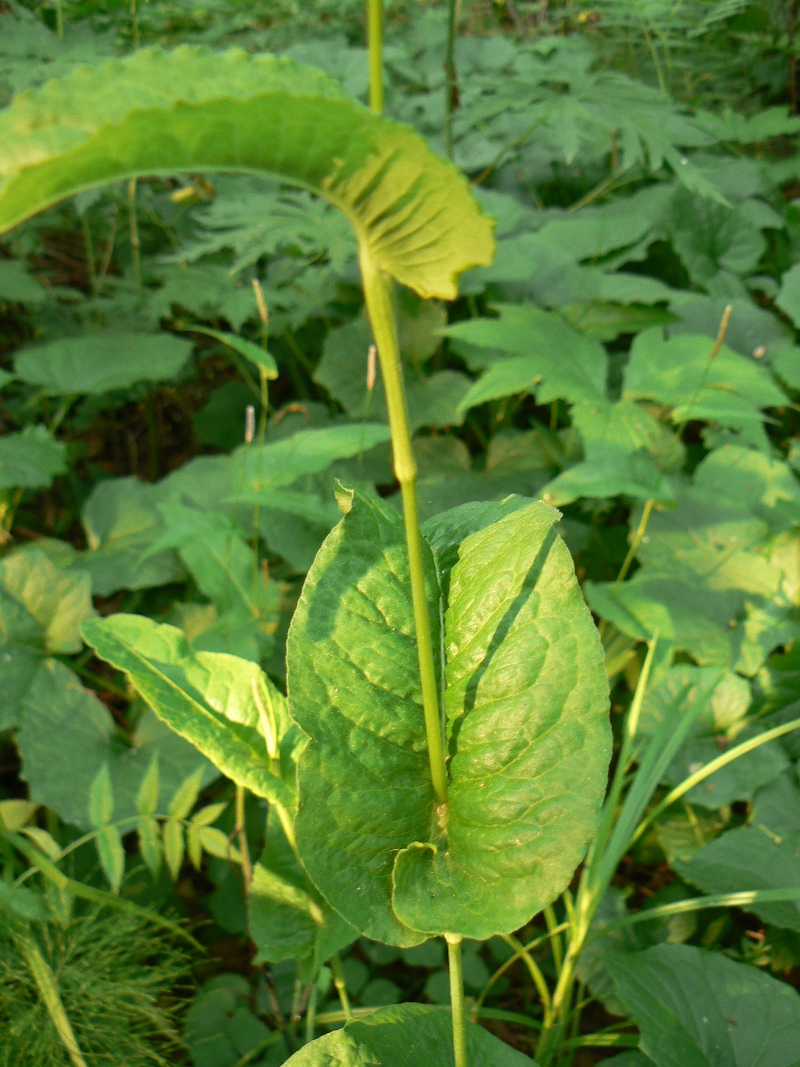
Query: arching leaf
191	109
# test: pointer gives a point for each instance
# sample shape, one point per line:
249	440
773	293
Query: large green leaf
160	112
525	703
215	701
749	858
548	357
699	1009
287	918
30	459
730	390
101	361
408	1035
42	608
67	736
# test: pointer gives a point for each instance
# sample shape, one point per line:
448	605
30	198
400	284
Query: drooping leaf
66	735
30	459
211	699
699	1009
253	353
100	362
414	1035
525	689
193	110
259	469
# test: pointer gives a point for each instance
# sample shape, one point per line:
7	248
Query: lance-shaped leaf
221	704
414	1035
525	700
160	112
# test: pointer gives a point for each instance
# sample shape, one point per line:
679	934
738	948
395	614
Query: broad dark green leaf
699	1009
17	286
159	112
99	362
42	608
122	521
750	858
212	700
730	390
66	735
409	1035
287	918
30	459
525	702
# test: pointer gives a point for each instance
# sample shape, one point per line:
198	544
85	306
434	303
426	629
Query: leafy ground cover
191	400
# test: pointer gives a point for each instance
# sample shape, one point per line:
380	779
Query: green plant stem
536	974
711	768
341	986
241	833
457	998
378	294
88	892
136	251
48	989
501	970
311	1012
720	339
59	21
641	529
88	246
552	923
375	44
451	86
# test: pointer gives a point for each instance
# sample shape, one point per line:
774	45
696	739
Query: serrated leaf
173	847
30	459
101	798
209	814
149	835
112	855
186	796
99	362
207	697
216	843
149	791
699	1009
146	114
253	353
536	342
353	675
408	1034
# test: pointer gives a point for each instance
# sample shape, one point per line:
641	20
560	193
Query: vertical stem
377	291
341	986
134	232
375	42
457	998
59	21
637	539
241	833
88	246
48	990
451	87
311	1011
